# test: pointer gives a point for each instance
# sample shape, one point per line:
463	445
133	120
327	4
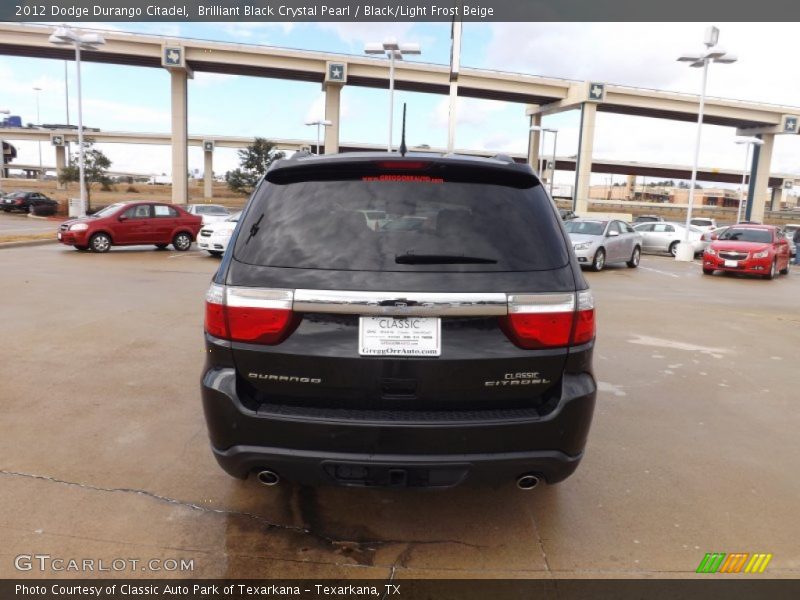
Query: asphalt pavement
694	446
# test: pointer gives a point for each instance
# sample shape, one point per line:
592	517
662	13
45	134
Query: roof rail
504	158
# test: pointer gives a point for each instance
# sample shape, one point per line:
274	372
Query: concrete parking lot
694	446
19	224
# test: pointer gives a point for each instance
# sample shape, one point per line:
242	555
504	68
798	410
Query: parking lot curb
24	243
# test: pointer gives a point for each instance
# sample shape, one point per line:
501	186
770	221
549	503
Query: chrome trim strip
416	304
259	298
541	303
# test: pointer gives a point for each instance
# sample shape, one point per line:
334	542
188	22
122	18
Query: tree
96	165
254	161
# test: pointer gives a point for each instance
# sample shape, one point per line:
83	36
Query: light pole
394	51
64	36
3	111
39	124
319	123
712	53
555	141
749	142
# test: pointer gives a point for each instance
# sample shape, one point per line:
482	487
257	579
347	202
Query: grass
28	237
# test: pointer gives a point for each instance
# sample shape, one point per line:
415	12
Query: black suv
455	350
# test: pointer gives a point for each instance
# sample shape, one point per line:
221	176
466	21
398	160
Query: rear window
426	225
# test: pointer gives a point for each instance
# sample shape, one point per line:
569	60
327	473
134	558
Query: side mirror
714	236
122	218
613	233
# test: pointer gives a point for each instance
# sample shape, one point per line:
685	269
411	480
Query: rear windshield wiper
254	229
442	259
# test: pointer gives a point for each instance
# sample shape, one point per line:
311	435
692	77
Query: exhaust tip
527	482
268	478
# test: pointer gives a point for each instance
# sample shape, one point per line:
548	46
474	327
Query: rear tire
673	248
161	246
100	243
182	241
599	260
635	257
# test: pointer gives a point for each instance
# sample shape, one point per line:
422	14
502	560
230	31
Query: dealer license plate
59	235
731	263
400	336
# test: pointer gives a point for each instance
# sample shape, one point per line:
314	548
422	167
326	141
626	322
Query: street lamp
555	141
65	36
749	142
39	124
712	53
319	123
3	111
393	51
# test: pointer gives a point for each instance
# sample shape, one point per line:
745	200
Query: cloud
356	34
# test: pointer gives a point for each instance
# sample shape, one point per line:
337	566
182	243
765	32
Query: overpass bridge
540	95
775	181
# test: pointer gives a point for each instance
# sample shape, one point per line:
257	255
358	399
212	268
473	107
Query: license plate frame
383	336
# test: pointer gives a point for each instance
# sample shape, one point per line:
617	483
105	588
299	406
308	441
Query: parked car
210	213
647	219
703	224
461	352
597	243
709	236
665	237
214	237
752	249
788	232
133	224
30	202
375	218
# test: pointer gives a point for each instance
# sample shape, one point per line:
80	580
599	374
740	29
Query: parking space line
659	271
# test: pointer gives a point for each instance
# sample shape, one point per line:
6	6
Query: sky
638	54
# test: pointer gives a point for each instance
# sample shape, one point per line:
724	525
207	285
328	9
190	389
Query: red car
132	224
751	249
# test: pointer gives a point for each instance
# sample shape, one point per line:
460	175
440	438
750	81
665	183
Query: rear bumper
402	453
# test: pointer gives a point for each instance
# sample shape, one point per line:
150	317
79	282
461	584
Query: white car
703	224
665	237
211	213
214	237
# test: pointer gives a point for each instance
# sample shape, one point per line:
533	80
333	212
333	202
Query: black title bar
712	11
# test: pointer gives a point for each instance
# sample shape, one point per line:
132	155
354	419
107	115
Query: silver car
665	237
597	243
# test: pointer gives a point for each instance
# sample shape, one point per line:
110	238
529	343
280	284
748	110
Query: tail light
550	320
252	315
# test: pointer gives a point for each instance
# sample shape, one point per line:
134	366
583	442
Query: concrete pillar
785	198
208	174
583	165
534	142
180	135
61	162
333	95
759	193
